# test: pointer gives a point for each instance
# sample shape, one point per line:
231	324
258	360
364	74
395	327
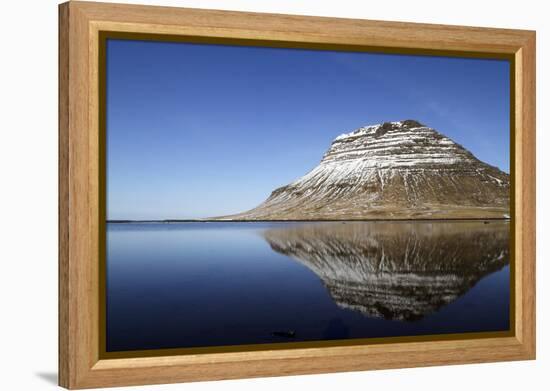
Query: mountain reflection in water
195	284
398	271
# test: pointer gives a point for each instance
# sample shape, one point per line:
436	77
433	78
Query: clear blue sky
205	130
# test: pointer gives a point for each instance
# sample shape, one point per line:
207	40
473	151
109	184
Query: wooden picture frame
81	25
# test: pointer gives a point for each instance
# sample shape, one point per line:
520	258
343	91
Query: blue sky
204	130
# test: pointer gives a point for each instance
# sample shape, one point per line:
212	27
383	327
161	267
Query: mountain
400	271
394	170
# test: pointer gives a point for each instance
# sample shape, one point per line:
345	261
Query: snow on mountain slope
392	170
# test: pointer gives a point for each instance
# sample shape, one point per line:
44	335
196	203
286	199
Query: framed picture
247	195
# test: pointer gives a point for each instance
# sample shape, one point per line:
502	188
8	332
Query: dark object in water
284	333
485	222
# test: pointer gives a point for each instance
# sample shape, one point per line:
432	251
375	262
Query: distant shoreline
301	221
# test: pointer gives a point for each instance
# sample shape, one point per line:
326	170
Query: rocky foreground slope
394	170
401	271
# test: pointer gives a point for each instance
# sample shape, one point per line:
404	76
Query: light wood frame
80	24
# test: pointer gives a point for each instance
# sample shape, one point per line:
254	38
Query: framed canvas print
247	195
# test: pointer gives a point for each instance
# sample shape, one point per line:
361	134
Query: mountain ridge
393	170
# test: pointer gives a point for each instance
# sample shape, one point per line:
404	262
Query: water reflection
395	271
198	284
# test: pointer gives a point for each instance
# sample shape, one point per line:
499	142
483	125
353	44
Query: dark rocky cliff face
400	271
392	170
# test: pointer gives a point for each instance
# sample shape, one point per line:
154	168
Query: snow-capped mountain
401	271
392	170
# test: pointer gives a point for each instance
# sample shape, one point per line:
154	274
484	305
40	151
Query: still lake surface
173	285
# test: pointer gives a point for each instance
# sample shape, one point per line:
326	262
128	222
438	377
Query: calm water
205	284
